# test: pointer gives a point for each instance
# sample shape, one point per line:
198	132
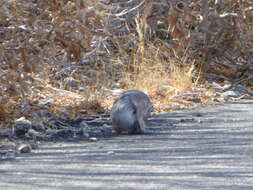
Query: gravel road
205	148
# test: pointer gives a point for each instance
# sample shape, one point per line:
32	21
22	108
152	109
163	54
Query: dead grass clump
161	79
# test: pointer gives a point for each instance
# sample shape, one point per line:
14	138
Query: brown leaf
15	63
26	67
3	113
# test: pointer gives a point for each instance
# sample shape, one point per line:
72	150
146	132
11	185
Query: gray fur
130	112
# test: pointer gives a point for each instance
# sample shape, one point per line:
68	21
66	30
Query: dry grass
154	71
161	79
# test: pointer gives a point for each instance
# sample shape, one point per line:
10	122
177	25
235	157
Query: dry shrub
216	35
160	78
43	47
74	51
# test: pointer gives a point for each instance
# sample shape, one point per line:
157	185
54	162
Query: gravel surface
205	148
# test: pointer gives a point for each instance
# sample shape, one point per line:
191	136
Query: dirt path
204	148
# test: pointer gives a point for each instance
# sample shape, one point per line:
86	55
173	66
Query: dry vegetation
64	56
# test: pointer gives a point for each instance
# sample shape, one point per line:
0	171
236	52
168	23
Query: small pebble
83	111
216	100
110	152
93	139
198	114
25	148
187	120
195	100
230	94
22	121
21	127
33	133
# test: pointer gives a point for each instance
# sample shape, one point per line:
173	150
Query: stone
25	148
226	87
197	114
83	111
216	100
34	133
22	121
188	120
200	121
21	127
93	139
110	152
195	100
82	88
230	94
